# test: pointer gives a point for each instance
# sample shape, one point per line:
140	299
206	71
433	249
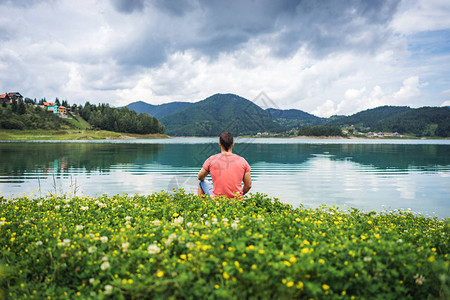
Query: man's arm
247	183
202	174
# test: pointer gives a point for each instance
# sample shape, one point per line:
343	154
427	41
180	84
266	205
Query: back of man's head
226	140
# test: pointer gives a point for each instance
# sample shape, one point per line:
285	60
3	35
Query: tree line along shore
236	114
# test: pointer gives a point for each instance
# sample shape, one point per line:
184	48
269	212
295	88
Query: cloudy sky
323	57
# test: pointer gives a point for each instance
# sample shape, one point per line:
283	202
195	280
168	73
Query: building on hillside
16	95
60	110
54	108
5	98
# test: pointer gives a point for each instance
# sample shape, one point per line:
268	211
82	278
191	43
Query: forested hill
240	116
157	111
19	115
370	117
293	117
424	121
120	120
218	113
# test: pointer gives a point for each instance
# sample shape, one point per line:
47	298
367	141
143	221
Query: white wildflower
57	207
105	258
234	226
38	243
189	224
108	289
2	223
170	239
207	224
190	245
92	249
178	221
125	246
39	203
214	221
419	279
156	222
79	227
105	265
84	207
66	242
153	249
205	215
127	218
225	220
367	259
91	280
104	239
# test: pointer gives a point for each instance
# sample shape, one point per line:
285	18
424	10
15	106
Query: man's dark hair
226	140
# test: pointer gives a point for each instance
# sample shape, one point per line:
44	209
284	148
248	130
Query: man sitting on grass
227	170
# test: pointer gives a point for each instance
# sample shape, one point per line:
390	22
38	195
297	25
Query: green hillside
104	117
35	117
290	118
424	121
21	116
157	111
370	117
218	113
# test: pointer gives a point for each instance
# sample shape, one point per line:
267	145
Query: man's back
227	172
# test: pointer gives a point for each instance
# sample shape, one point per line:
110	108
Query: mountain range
240	116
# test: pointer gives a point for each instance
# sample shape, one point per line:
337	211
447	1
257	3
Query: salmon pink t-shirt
227	172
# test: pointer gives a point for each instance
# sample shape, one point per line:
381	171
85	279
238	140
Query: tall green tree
14	106
21	109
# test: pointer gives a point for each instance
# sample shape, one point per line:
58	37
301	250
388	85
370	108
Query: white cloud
355	100
421	16
326	109
158	52
446	103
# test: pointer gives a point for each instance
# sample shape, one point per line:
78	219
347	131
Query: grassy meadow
181	246
71	134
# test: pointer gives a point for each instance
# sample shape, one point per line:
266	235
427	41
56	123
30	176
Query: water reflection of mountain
382	156
19	158
402	157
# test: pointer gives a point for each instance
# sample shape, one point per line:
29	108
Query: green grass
183	246
70	134
78	122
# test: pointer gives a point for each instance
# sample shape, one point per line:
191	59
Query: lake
365	174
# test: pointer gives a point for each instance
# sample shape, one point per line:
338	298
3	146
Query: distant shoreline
39	134
71	134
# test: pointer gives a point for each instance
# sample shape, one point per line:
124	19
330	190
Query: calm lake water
366	174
